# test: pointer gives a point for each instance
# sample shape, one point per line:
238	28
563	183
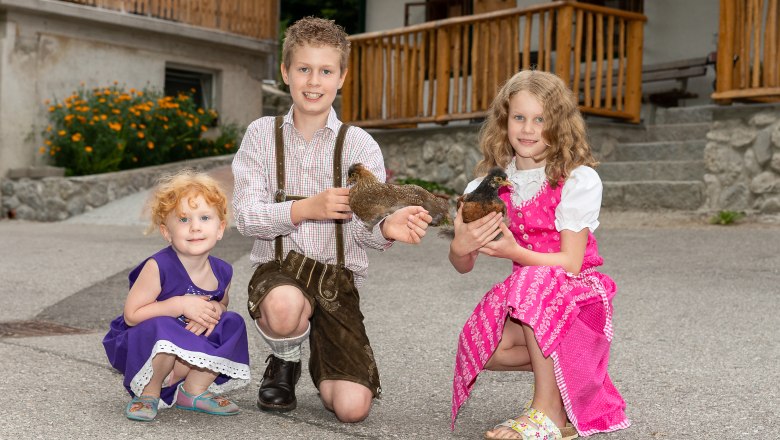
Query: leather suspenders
282	196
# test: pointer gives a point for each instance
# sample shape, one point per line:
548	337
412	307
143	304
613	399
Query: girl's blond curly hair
564	128
315	32
171	189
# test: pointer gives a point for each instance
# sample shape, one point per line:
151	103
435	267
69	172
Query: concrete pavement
695	354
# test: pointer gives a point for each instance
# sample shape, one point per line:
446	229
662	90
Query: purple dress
131	349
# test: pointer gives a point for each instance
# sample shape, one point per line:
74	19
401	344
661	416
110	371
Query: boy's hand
406	225
470	237
331	204
198	309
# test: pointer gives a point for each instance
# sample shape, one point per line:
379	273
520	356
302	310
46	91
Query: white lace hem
239	373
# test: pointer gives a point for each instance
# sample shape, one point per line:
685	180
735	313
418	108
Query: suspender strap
337	184
282	196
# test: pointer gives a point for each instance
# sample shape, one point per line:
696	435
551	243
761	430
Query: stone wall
742	157
57	198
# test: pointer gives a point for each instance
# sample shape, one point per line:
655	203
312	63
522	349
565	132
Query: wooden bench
678	71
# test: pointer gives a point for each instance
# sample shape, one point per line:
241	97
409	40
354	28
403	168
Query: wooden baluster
578	52
540	53
758	8
442	73
770	46
599	59
529	20
493	65
621	64
548	41
475	46
610	60
588	57
634	69
725	65
456	49
563	43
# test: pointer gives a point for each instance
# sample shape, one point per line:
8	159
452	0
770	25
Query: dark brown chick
372	200
484	199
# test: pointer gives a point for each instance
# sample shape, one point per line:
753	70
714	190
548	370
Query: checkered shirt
309	171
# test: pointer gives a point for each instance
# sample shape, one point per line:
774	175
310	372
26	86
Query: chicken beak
505	182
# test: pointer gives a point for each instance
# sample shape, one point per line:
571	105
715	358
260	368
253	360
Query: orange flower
76	137
116	126
42	150
61	132
141	135
150	145
88	149
203	128
103	117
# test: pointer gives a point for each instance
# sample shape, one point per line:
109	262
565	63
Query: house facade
50	48
674	30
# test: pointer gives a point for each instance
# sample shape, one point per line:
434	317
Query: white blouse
580	199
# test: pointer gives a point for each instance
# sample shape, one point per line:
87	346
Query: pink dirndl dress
571	317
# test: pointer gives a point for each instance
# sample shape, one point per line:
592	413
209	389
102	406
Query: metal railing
748	65
251	18
451	69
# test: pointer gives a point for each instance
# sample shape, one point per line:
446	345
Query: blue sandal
142	408
205	402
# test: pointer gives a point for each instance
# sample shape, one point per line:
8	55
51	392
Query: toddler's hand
199	329
200	310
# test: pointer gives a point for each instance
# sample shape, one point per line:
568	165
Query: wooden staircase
661	167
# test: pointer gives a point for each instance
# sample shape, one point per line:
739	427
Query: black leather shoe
277	392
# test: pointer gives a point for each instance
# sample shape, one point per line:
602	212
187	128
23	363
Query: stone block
45	171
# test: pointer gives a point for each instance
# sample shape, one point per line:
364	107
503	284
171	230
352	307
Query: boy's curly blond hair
315	32
170	190
564	127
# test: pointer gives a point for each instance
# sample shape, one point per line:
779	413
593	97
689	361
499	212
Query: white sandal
540	428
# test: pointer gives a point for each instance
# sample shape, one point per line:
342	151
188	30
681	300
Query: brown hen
484	199
372	200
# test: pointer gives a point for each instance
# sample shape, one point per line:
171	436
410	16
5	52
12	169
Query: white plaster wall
49	55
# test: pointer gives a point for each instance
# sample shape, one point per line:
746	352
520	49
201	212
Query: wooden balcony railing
251	18
451	69
748	65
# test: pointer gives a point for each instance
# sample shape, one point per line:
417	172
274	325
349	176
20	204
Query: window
199	83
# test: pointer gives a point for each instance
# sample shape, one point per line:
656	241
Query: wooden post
724	68
442	62
564	20
634	69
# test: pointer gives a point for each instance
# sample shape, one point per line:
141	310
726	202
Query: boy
308	249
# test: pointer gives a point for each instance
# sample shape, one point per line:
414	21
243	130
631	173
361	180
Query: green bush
726	217
109	129
432	187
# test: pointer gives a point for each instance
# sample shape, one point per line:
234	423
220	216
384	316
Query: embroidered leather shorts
340	349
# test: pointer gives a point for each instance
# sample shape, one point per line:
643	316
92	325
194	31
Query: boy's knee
352	412
283	309
352	406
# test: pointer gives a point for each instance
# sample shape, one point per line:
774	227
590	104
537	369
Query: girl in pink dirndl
553	314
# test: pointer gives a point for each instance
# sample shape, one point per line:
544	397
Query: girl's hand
470	237
407	225
198	309
505	247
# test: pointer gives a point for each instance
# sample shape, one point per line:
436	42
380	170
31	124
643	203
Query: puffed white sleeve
473	185
580	201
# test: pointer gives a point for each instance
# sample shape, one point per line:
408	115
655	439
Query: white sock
286	349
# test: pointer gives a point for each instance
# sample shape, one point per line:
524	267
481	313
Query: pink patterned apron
571	317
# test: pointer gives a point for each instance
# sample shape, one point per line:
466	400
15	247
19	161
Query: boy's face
314	77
